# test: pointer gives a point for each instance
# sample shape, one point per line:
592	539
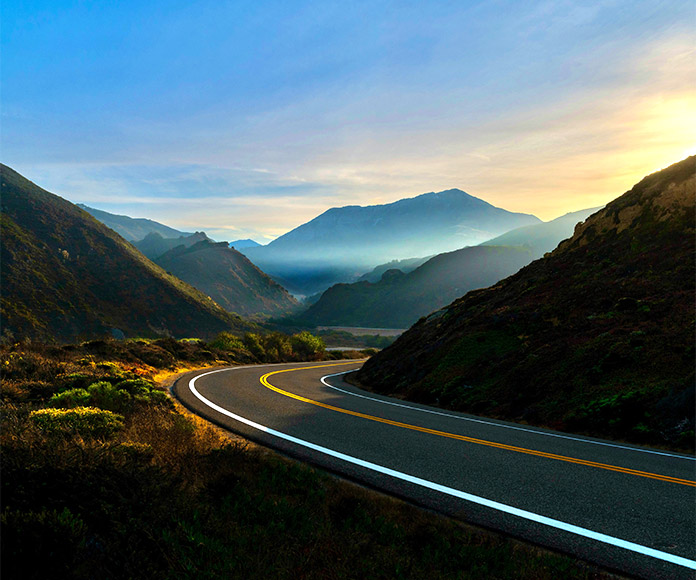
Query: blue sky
250	118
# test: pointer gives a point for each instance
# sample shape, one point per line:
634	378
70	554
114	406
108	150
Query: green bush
277	347
252	342
119	398
83	421
307	346
227	341
71	398
135	386
107	396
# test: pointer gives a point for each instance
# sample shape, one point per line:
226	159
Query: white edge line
657	554
503	426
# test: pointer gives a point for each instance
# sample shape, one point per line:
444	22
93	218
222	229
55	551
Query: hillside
66	277
132	229
154	245
406	265
398	300
228	277
343	243
597	336
544	237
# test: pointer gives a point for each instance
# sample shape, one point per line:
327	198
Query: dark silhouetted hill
406	265
597	336
154	245
67	277
544	237
399	299
229	278
343	243
132	229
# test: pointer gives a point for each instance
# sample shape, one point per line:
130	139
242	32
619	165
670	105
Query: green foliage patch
83	421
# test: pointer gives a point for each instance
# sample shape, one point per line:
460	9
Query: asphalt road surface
628	508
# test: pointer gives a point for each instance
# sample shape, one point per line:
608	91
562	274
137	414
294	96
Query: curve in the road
265	383
528	515
495	424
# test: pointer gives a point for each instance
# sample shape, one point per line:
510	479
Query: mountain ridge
228	277
595	337
399	299
67	276
132	229
343	243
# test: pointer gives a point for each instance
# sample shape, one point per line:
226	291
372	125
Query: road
627	508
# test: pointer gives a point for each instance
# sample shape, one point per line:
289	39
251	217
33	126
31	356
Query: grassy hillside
399	299
134	487
67	276
595	337
229	278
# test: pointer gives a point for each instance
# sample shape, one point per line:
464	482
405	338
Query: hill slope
153	245
544	237
66	276
343	243
130	228
399	299
228	277
597	336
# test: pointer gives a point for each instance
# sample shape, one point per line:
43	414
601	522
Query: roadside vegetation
105	476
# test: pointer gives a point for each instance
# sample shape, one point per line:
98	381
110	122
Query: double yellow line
266	383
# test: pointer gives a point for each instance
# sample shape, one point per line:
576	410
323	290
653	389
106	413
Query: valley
579	325
348	291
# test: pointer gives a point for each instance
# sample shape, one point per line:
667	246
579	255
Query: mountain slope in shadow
229	278
68	277
398	300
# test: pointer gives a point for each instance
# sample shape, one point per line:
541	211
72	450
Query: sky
247	119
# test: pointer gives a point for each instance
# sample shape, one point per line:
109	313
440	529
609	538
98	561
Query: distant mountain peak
344	242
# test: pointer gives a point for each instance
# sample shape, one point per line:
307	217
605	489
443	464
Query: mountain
228	277
153	245
132	228
67	277
597	336
544	237
399	299
239	244
343	243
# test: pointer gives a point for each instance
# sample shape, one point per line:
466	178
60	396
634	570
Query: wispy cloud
278	113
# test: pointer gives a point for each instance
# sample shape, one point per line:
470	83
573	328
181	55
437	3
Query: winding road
628	508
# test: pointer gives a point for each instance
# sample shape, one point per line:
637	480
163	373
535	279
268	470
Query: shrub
307	346
71	398
252	342
83	421
120	398
135	386
227	341
277	346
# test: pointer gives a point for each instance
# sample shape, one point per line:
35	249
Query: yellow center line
264	381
